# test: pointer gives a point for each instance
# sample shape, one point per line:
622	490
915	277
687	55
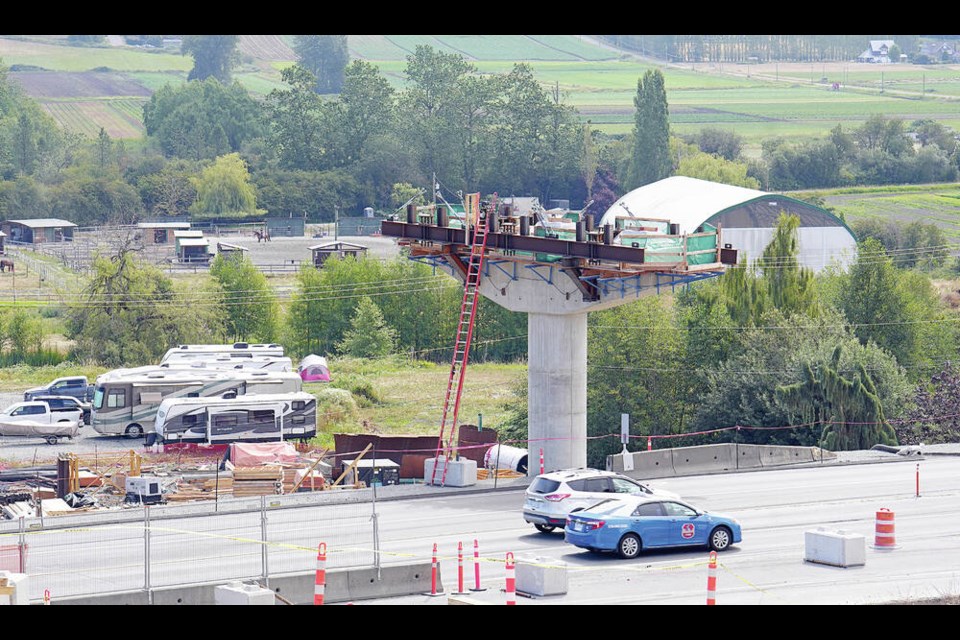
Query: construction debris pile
79	484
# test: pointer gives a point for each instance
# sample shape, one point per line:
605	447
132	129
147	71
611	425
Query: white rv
125	401
270	417
220	361
235	350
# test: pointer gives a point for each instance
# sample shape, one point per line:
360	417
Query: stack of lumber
257	481
483	474
202	489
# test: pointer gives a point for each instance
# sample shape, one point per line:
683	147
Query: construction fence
153	547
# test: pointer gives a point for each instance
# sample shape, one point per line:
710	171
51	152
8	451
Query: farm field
758	101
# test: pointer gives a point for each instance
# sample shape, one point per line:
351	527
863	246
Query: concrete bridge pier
557	390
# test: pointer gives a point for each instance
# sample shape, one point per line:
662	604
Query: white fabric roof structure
188	233
746	217
688	202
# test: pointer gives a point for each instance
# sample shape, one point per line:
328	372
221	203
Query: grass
67	58
412	393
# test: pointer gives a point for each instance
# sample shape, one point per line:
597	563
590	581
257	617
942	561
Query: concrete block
16	589
835	548
539	576
460	473
240	593
711	458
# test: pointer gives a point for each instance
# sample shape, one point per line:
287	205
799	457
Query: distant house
39	230
323	252
2	250
939	51
879	52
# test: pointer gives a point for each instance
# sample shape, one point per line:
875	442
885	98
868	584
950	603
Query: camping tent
313	368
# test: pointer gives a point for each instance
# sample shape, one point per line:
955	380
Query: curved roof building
746	218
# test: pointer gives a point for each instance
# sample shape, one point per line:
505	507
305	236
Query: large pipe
524	225
588	219
581	231
411	213
442	220
608	234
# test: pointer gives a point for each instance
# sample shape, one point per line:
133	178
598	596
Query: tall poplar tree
651	133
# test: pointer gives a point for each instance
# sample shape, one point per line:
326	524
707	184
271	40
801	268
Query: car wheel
134	431
544	528
629	546
720	539
51	439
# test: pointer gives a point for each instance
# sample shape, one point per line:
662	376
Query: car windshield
98	398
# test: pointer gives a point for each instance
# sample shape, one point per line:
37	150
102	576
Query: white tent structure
746	218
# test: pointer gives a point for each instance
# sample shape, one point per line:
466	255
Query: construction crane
478	220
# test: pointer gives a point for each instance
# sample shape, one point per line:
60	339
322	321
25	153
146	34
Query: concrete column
557	390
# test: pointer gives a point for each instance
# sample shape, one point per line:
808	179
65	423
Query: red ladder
461	349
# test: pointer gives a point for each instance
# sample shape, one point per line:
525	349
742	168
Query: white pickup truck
37	419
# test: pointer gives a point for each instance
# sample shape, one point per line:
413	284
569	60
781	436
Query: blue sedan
629	524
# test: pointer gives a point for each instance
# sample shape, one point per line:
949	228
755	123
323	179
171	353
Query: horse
6	263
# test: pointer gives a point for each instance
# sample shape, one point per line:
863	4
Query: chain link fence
143	549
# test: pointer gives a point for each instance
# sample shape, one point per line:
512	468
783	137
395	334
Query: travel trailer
269	417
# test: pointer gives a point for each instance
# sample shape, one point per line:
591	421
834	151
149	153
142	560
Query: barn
161	232
39	230
746	218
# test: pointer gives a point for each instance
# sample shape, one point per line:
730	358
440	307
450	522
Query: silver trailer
270	417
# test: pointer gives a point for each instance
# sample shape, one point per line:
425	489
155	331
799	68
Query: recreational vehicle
270	417
126	400
220	361
237	349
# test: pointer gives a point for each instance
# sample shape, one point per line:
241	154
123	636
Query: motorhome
126	400
235	350
227	361
270	417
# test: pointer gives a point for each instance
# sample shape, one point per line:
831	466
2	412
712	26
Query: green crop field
757	101
66	58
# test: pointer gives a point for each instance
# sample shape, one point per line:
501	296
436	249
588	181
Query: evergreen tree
326	57
651	133
213	56
368	335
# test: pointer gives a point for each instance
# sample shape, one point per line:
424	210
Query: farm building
2	250
284	226
746	218
323	252
161	232
191	246
39	230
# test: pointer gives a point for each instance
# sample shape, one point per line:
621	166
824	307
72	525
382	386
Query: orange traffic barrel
885	537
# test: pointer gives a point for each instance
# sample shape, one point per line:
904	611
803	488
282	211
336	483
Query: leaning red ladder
461	349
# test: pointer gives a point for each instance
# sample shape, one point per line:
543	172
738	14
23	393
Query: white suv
552	496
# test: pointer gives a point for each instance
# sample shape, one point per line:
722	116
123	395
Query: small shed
39	230
229	250
288	227
191	246
161	232
2	250
323	252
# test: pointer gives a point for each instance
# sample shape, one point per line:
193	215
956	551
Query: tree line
340	136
